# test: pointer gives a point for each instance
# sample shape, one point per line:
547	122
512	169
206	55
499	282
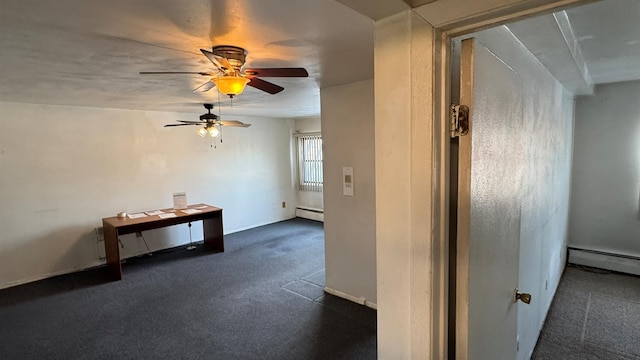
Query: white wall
411	310
350	226
62	169
547	138
308	199
307	125
605	200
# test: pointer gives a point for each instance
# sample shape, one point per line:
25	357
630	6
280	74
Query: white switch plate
347	180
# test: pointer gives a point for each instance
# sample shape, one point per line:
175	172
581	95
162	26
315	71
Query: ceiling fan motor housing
234	54
209	117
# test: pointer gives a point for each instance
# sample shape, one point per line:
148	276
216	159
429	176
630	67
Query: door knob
524	297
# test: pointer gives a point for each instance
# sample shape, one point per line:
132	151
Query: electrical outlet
284	204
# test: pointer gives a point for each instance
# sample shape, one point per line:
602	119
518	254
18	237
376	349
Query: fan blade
175	72
192	122
205	87
170	125
220	62
233	123
260	84
277	72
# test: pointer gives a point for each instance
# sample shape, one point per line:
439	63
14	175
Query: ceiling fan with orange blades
230	76
211	123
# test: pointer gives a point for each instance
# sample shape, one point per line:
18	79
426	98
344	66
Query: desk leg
213	238
112	251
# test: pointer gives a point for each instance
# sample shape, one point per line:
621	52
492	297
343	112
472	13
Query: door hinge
459	120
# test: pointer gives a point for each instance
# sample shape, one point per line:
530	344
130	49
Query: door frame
441	157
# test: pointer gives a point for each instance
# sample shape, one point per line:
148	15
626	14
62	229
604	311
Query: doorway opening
527	192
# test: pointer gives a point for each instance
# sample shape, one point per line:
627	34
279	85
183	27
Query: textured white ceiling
590	44
90	52
608	33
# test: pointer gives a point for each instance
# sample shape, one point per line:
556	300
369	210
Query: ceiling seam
564	24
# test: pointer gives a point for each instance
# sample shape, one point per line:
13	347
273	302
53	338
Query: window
310	162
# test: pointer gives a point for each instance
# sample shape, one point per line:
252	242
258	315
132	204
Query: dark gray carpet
595	315
260	299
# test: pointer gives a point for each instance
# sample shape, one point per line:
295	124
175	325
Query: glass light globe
214	131
230	84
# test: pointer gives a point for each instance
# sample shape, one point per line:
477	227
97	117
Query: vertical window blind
310	163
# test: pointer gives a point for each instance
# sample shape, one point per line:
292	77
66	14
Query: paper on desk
166	216
154	212
190	211
135	216
180	200
201	207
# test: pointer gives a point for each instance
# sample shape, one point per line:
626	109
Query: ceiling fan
211	123
231	77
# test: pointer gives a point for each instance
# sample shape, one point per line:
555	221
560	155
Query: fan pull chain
219	104
220	115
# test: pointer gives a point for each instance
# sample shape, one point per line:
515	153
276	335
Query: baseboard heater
605	260
310	213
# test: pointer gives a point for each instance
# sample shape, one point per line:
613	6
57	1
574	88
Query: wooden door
488	207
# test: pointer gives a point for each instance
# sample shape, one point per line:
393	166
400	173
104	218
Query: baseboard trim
249	227
311	214
355	299
51	274
605	260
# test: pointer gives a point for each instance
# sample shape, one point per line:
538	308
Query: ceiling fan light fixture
214	131
203	132
230	84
